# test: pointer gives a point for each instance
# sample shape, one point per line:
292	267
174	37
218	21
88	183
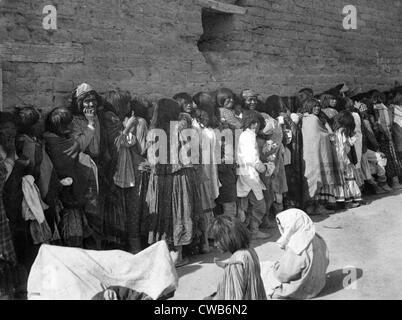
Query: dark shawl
67	166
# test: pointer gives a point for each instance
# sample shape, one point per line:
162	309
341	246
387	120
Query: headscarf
297	230
82	89
249	93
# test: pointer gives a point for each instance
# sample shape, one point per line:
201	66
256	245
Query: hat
248	93
82	89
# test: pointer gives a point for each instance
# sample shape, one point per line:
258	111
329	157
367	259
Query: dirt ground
365	254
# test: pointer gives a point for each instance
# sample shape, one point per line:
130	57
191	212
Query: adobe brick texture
152	48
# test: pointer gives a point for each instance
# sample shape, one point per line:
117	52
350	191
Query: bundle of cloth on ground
61	273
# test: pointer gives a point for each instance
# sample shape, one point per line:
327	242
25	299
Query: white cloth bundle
61	273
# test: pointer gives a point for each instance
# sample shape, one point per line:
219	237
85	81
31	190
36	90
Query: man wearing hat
249	98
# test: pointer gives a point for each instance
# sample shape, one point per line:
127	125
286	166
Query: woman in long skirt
173	195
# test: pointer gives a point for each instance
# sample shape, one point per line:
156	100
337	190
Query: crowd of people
99	174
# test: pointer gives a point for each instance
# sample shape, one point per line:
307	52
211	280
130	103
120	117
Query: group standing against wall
91	176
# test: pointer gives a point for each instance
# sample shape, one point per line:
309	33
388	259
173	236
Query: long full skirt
174	207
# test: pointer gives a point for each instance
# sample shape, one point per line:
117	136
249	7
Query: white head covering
83	88
249	93
296	228
295	118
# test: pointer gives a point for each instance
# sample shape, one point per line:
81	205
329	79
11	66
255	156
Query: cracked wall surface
151	47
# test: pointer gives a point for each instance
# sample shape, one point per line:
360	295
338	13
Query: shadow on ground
340	279
182	271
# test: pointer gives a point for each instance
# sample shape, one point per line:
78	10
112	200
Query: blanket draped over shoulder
318	156
67	166
241	279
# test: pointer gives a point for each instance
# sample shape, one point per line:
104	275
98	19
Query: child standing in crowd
274	148
241	279
227	167
225	100
347	191
250	188
356	151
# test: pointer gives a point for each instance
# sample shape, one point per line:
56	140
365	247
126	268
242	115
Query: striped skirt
326	194
174	207
349	191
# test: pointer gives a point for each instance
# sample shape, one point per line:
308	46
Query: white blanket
61	273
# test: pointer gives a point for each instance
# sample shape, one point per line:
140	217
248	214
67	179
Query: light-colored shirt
249	159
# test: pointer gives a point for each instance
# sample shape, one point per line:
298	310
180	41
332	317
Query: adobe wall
152	48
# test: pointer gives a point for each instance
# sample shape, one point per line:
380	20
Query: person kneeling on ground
301	272
242	277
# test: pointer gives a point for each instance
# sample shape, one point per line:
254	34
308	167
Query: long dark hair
223	94
310	104
166	110
120	100
140	107
183	98
250	117
205	102
273	106
344	120
230	234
